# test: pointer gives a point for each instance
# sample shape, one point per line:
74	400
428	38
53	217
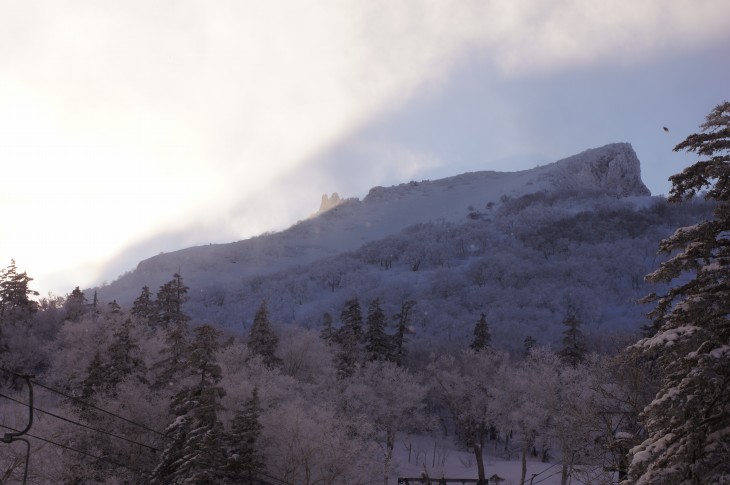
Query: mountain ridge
613	170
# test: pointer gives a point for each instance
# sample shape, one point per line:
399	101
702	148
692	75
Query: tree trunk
389	444
525	448
564	476
480	462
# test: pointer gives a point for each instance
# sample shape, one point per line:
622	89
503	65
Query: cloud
123	119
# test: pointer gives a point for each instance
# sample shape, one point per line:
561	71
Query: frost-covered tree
145	308
482	338
378	344
262	340
388	397
15	302
403	317
574	349
328	332
466	384
349	337
688	423
245	459
76	305
196	453
170	299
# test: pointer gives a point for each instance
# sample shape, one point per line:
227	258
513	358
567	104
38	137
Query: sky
138	127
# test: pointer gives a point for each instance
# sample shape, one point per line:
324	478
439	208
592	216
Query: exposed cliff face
613	169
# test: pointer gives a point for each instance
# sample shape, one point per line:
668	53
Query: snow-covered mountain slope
610	170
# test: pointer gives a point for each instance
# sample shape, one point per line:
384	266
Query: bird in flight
665	128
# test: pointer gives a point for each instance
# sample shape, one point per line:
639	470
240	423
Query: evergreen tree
351	317
196	453
170	299
175	365
145	308
349	337
482	337
15	302
262	340
574	350
123	358
528	344
245	460
76	305
688	421
378	344
402	328
202	353
328	332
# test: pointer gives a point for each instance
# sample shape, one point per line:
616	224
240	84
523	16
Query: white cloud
119	119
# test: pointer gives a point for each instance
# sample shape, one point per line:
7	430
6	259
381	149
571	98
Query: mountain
428	240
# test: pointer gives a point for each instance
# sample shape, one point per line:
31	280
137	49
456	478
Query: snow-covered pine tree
328	332
76	305
15	302
688	423
262	340
378	344
574	349
145	308
245	460
170	299
349	337
402	329
482	337
197	450
124	360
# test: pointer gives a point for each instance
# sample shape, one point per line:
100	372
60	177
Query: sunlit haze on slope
130	128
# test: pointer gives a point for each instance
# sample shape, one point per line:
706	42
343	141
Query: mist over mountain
525	248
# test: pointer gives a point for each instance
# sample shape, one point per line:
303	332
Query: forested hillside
484	341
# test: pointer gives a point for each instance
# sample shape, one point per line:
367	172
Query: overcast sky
131	127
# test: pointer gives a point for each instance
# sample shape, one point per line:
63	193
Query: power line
109	460
80	401
36	408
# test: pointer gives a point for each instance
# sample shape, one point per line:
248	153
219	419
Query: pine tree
402	328
688	421
145	308
196	453
15	302
351	317
76	305
528	344
574	350
245	460
378	344
482	337
170	299
262	340
175	366
123	358
328	332
202	353
349	337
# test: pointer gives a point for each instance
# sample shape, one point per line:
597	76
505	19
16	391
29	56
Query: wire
36	408
89	404
116	463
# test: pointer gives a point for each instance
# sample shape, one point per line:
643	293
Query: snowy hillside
612	169
524	248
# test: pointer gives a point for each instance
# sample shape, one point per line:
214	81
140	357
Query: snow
720	352
350	223
442	459
668	337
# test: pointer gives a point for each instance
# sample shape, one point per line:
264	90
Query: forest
524	342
